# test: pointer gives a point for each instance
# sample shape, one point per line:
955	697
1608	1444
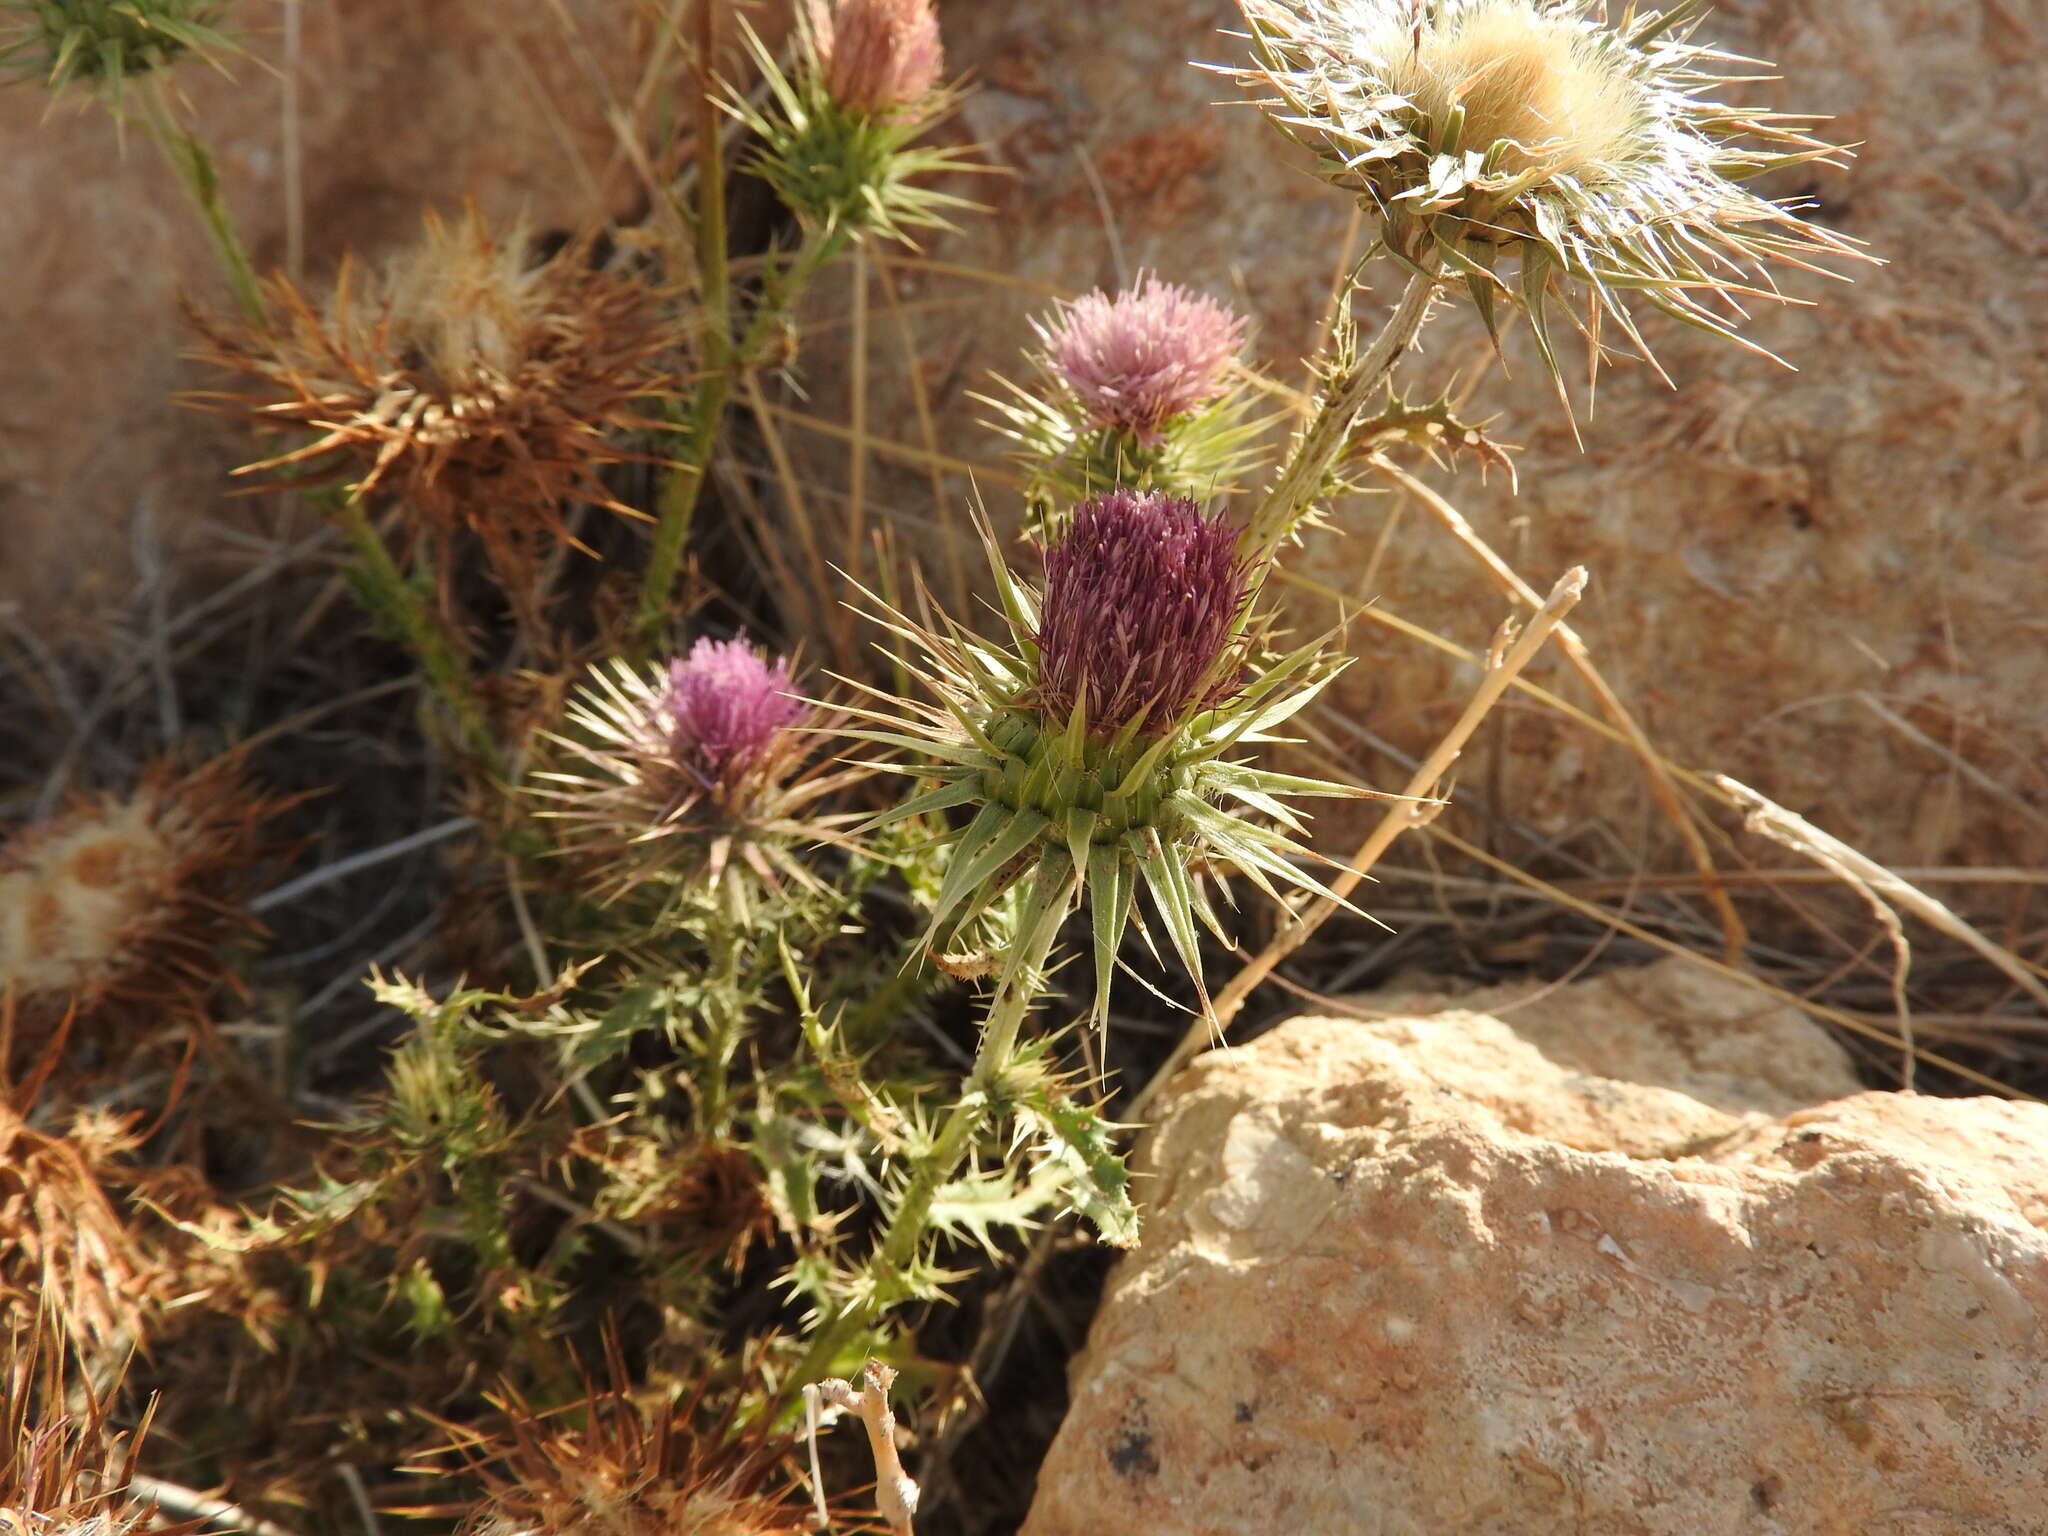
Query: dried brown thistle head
66	1256
119	918
623	1466
476	389
63	1472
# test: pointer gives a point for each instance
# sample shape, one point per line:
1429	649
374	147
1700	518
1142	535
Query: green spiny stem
724	362
1054	884
727	1018
1318	448
196	173
400	604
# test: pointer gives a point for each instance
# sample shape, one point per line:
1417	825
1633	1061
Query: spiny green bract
1075	815
102	43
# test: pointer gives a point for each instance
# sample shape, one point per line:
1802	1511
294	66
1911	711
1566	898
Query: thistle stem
398	602
727	1020
197	174
1055	883
685	480
1323	442
725	361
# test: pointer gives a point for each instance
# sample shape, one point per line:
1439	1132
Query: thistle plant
1136	392
698	779
1090	757
836	140
1592	154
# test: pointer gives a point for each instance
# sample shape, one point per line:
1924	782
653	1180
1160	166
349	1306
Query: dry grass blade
1765	816
1398	818
1734	934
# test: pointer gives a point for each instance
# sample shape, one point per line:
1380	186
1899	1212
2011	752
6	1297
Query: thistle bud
1095	747
1151	354
1138	393
1139	624
99	44
726	706
878	57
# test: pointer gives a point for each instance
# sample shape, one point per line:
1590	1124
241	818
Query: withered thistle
123	915
1093	752
478	390
700	772
1137	392
622	1464
1594	152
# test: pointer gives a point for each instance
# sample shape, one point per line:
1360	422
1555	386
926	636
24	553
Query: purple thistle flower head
879	56
724	707
1137	361
1142	598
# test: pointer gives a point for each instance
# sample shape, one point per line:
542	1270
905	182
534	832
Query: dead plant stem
1399	817
1734	934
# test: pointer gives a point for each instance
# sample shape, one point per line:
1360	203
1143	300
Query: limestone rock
1430	1276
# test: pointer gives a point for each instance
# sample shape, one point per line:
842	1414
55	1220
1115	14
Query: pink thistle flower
1137	361
879	57
724	707
1140	613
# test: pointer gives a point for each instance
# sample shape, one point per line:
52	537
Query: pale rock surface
1433	1275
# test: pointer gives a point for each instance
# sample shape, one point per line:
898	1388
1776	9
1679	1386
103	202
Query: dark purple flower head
1142	598
1137	361
725	706
879	56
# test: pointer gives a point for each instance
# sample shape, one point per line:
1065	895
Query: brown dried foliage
614	1466
478	391
119	918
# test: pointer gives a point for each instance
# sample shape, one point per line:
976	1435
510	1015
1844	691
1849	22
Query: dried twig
1503	667
895	1491
1733	933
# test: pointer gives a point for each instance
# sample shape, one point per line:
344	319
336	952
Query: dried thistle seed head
65	1253
1140	624
1136	362
100	44
1533	83
130	904
478	390
628	1462
878	57
728	705
65	1471
1593	153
